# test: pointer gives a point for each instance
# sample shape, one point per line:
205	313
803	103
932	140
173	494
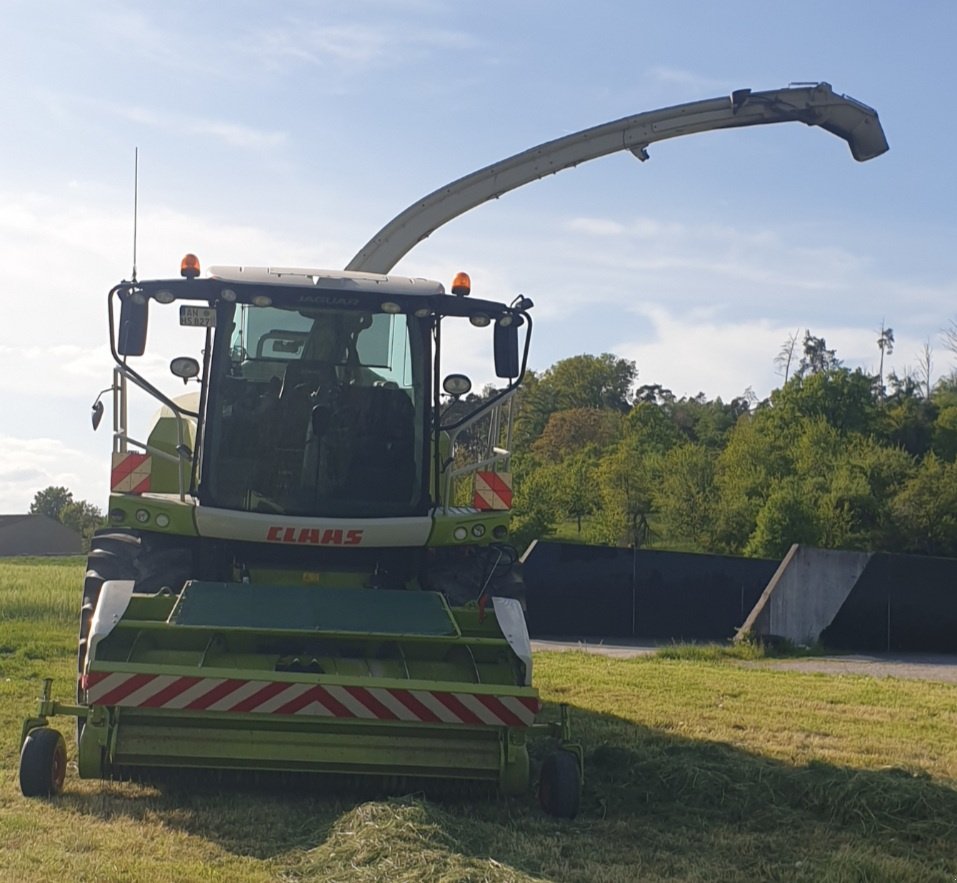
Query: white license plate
203	317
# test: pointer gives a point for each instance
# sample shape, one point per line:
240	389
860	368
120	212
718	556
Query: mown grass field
698	769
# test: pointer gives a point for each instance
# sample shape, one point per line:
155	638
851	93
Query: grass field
698	769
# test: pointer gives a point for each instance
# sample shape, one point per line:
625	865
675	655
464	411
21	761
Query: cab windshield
315	412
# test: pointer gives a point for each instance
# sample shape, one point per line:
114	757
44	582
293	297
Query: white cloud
687	80
692	352
28	465
232	133
762	257
699	307
595	226
29	369
350	47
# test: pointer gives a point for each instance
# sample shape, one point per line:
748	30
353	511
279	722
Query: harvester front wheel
42	763
560	785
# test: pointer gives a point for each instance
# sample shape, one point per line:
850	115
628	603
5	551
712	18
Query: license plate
203	317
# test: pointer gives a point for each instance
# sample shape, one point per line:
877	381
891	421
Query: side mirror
96	412
134	319
506	350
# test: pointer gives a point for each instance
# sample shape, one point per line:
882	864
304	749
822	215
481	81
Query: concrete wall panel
805	594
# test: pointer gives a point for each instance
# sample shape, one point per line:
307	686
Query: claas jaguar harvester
307	565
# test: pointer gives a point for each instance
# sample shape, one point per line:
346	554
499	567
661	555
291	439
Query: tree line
836	458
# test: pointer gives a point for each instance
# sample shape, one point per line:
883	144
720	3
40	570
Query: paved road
917	666
619	648
914	666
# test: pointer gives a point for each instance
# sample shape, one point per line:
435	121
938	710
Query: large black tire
42	763
560	785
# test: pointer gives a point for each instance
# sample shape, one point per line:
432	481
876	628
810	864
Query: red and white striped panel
492	491
275	697
130	473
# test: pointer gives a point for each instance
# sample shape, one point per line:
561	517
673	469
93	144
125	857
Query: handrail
494	454
121	437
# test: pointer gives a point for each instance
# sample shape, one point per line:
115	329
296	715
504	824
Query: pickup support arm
815	104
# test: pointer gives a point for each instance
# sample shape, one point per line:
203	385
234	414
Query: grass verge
747	650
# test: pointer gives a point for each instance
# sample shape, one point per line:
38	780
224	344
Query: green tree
844	398
585	381
817	358
83	517
576	486
944	440
786	517
568	432
756	455
909	416
536	508
648	428
58	503
684	495
925	509
854	510
51	501
708	421
601	382
626	481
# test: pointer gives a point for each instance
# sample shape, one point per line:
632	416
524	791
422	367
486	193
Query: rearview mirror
506	350
134	319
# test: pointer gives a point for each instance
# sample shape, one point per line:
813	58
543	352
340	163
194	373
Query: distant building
37	535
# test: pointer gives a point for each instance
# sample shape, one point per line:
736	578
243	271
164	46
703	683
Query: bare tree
784	358
886	345
925	366
949	336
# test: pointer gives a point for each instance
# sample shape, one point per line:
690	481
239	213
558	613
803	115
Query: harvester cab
307	565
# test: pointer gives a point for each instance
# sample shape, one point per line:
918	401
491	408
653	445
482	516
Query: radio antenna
136	194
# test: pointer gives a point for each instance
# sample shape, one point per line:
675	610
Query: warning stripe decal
274	697
493	491
130	473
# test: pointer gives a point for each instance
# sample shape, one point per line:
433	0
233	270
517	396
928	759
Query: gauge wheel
42	763
560	785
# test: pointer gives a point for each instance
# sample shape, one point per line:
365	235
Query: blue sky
288	133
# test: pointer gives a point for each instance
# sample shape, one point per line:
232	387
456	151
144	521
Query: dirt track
916	666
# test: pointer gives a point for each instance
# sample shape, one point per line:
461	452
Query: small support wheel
560	785
42	763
